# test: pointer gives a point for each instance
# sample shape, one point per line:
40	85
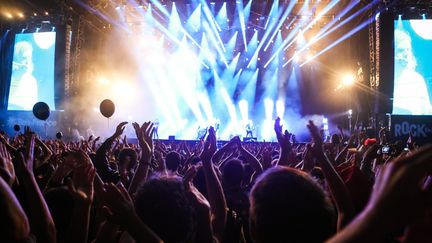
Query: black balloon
17	127
107	108
41	110
59	135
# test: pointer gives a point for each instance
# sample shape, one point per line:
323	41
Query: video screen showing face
32	76
412	67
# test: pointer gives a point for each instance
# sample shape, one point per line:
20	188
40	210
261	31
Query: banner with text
419	126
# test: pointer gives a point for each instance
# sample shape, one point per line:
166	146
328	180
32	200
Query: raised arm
337	187
399	198
101	160
7	169
342	154
214	188
14	219
249	157
202	207
47	153
144	135
9	147
41	222
81	189
285	154
217	157
121	210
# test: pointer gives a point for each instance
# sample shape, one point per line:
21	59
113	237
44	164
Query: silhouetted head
335	139
232	173
172	161
61	205
288	206
128	159
163	205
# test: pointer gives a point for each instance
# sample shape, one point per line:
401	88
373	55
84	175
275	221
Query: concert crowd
349	188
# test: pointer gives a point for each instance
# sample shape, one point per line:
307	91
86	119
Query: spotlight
34	14
8	15
46	13
325	123
348	80
20	15
103	80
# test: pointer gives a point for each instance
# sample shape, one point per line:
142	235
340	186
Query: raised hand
119	204
400	197
277	126
197	199
214	188
209	146
361	138
267	158
382	135
120	210
120	129
7	170
284	139
144	135
3	139
26	160
399	188
146	143
317	148
201	205
41	221
336	185
81	184
137	129
160	162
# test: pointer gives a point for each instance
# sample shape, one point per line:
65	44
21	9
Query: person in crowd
194	192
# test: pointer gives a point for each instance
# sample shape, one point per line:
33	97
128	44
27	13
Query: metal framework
372	61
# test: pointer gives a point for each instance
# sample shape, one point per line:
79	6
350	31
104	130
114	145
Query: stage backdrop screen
32	76
412	67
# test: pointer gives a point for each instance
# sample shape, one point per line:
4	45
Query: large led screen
412	67
32	76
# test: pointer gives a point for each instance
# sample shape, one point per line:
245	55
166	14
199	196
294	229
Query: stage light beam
348	79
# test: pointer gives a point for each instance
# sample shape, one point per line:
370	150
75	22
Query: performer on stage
155	129
249	129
